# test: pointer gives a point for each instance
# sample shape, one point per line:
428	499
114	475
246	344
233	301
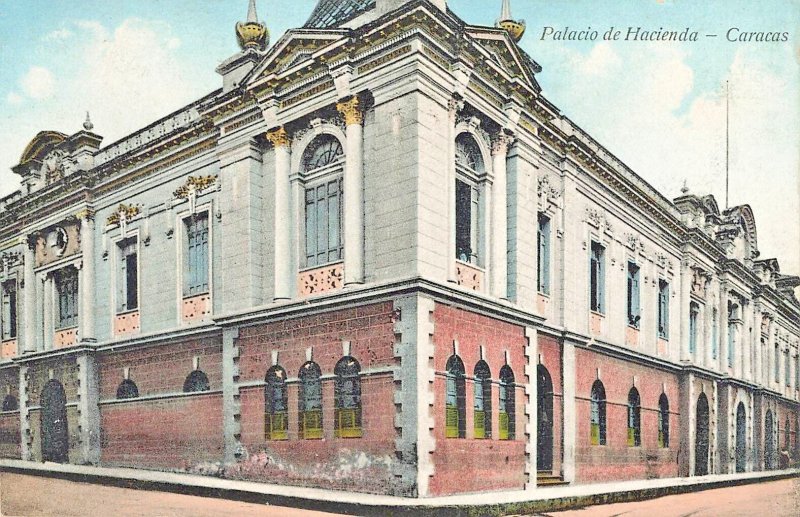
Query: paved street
38	496
773	499
22	495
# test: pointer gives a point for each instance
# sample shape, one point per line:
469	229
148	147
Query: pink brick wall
616	460
493	464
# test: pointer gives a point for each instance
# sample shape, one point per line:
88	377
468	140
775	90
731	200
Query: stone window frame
9	317
597	274
633	299
477	179
120	289
544	246
663	295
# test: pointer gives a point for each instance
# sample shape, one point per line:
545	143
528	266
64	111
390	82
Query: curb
547	499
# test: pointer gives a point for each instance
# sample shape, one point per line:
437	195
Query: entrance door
769	442
55	440
544	448
741	439
701	437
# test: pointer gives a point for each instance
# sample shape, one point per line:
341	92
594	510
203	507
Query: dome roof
333	13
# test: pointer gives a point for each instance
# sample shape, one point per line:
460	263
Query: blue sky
659	106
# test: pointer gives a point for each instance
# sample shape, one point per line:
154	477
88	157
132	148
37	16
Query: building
378	257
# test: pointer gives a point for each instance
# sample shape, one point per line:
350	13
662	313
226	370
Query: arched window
468	153
196	381
455	399
483	400
127	389
276	402
507	404
634	419
663	421
469	164
598	414
324	150
310	401
10	403
348	398
786	437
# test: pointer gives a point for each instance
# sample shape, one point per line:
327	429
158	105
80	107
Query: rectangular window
128	277
634	307
787	368
777	355
66	282
694	310
714	334
466	222
324	223
663	309
597	278
196	274
731	342
9	309
543	268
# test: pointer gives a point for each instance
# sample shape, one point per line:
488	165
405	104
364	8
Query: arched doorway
741	439
55	438
701	437
544	440
769	442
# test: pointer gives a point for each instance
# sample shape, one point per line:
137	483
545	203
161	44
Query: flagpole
727	141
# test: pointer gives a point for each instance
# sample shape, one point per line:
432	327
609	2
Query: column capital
455	103
351	110
501	142
87	214
278	137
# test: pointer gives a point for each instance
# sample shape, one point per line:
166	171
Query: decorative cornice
194	184
351	110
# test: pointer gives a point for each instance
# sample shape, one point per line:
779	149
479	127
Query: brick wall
362	464
9	435
616	460
493	464
164	428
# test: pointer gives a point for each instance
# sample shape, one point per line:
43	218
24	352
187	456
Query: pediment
293	50
501	50
41	145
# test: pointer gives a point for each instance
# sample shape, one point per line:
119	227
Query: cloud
58	35
38	83
14	98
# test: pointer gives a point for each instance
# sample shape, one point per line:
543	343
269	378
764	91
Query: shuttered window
196	274
128	277
323	207
9	314
67	291
543	269
597	278
634	306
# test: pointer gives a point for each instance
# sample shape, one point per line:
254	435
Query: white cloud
58	35
38	83
14	98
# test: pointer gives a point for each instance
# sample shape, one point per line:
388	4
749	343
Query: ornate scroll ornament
124	213
351	111
598	218
546	190
634	242
766	320
194	184
278	137
54	165
700	281
661	258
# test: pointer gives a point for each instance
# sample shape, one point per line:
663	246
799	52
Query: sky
659	106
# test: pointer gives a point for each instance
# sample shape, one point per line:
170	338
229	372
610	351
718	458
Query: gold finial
252	34
515	28
351	111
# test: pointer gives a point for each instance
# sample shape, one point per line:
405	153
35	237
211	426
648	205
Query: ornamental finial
87	124
684	188
515	28
252	34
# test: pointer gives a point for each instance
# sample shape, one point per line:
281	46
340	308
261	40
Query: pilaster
499	229
26	454
88	408
283	219
570	411
87	280
531	403
29	309
352	112
231	406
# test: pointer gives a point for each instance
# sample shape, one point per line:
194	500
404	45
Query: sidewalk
494	503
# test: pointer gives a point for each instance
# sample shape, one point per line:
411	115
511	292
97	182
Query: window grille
455	399
598	414
347	396
310	401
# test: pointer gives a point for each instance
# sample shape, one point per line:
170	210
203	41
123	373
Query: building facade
376	258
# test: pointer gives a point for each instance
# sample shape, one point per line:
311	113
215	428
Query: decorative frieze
320	280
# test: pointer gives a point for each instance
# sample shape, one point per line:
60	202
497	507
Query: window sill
196	308
469	276
65	337
320	279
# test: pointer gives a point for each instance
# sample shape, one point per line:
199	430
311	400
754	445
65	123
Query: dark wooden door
544	443
741	439
769	442
701	437
55	437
